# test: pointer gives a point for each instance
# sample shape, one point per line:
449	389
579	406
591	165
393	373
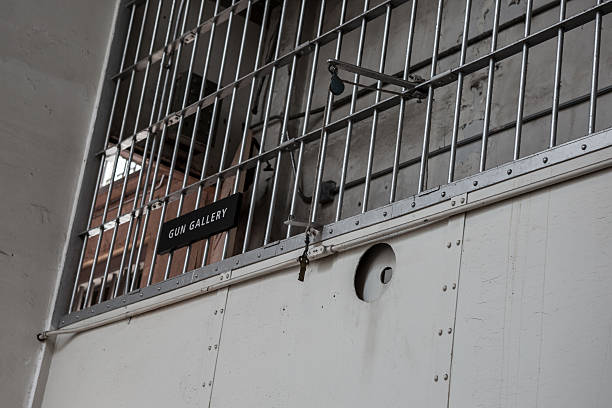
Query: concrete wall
506	305
52	54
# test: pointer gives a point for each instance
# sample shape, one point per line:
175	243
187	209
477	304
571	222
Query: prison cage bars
496	55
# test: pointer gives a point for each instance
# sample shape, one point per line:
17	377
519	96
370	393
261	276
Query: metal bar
439	80
557	83
464	44
595	72
283	132
521	98
349	129
103	159
176	143
370	163
313	70
370	73
129	162
430	94
489	97
402	107
262	142
178	136
187	37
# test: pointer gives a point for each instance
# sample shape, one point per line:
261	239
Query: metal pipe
458	95
521	98
489	97
595	72
557	83
383	55
426	133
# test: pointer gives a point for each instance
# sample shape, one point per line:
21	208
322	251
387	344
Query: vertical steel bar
176	142
402	106
103	158
595	72
126	170
523	80
489	97
349	128
179	132
313	70
426	133
557	84
381	68
283	131
458	95
262	142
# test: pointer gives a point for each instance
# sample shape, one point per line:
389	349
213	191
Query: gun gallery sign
202	223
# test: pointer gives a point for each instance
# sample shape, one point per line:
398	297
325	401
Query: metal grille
214	98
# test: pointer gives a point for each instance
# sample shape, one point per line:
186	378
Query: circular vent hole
374	272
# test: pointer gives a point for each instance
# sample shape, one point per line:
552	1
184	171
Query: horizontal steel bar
186	38
525	165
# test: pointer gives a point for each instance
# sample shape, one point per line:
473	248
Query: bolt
458	242
281	248
331	230
583	147
195	276
357	222
443	194
448	244
545	160
509	171
141	294
453	203
215	346
210	383
259	255
221	277
440	332
462	200
454	286
445	377
384	213
435	378
159	288
216	311
475	183
450	330
209	347
413	204
221	311
237	261
444	287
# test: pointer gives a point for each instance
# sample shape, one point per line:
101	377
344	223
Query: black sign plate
217	217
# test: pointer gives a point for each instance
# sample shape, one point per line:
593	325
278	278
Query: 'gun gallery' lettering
217	215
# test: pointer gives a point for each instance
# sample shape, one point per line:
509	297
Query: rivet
444	287
413	204
209	347
331	230
443	194
141	294
210	383
384	213
216	311
159	288
583	147
445	377
435	378
357	222
123	300
221	311
259	255
221	277
63	322
462	200
237	261
215	346
450	330
453	203
475	183
281	248
195	276
454	286
509	171
440	332
545	160
177	283
448	244
458	242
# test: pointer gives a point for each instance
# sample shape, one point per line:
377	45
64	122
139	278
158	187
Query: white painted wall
52	55
531	322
